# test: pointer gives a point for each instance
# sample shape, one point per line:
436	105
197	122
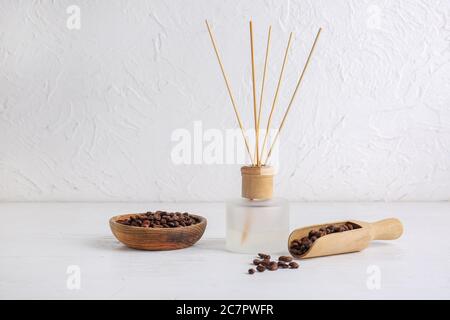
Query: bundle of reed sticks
260	158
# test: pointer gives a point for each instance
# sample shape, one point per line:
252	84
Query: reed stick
262	86
294	94
236	112
257	161
269	121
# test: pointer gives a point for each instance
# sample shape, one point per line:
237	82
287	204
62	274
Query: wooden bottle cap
257	182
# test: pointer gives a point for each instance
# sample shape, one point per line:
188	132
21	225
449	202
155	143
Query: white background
87	115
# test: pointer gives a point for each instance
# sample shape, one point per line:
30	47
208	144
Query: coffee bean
159	219
273	265
285	258
260	268
265	262
314	233
302	245
284	262
264	256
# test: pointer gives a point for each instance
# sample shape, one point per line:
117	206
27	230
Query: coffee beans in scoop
160	219
264	263
301	246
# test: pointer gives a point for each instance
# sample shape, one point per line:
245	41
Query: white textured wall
88	114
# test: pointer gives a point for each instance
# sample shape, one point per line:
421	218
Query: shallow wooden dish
157	238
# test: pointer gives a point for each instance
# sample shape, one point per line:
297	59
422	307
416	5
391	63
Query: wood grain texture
347	241
257	182
157	238
386	229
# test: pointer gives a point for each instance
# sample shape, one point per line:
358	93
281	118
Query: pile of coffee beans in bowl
160	219
301	246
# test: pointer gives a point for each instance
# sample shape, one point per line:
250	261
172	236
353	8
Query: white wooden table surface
39	241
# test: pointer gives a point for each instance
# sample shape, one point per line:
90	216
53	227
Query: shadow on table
112	244
380	243
211	244
106	243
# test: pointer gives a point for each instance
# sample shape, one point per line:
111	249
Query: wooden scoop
347	241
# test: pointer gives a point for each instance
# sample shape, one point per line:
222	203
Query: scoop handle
386	229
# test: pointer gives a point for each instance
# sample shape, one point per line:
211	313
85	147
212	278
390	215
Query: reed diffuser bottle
258	222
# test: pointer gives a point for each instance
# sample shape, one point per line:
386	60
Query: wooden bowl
157	238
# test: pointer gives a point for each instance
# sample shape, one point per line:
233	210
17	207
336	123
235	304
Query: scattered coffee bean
160	219
260	268
285	258
273	265
256	262
264	263
264	256
301	246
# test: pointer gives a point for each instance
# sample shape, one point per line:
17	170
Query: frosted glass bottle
254	226
257	222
